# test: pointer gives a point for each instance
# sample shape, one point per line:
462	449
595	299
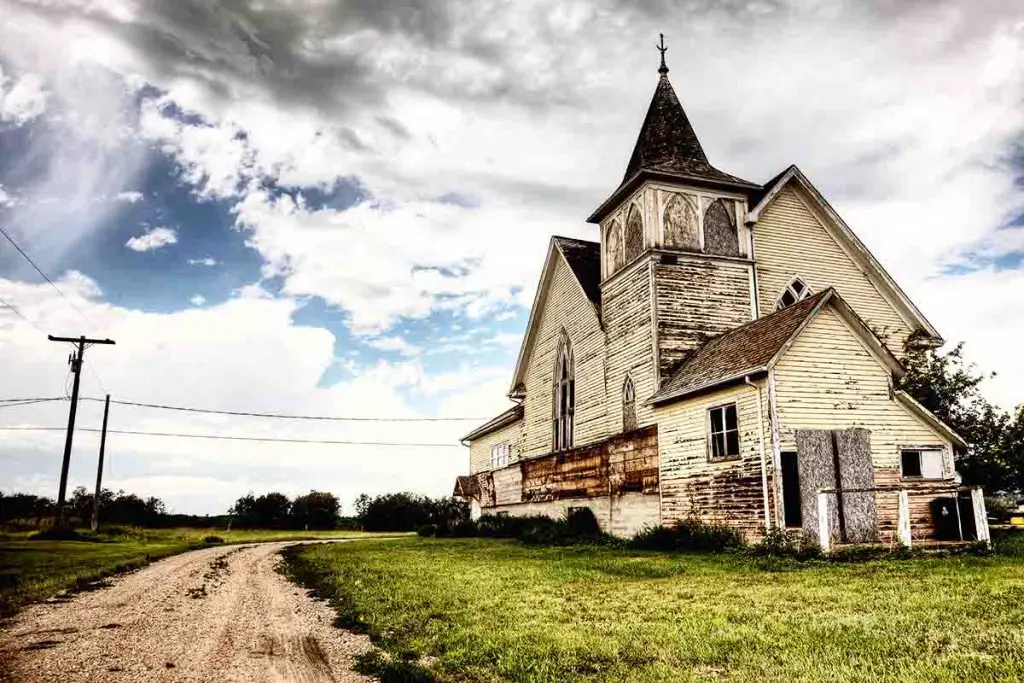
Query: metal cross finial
662	49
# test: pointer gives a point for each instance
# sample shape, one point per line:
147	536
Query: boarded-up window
720	230
565	395
634	235
681	225
723	432
613	247
628	406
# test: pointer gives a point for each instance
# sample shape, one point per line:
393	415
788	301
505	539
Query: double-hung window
723	432
499	455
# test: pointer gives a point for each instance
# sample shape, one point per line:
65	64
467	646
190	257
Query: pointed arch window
634	237
565	394
720	236
681	225
628	405
795	291
613	247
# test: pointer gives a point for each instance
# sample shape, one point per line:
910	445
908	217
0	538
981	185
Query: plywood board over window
720	236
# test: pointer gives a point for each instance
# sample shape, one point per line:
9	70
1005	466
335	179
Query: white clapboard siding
828	380
729	492
626	310
790	241
565	306
480	449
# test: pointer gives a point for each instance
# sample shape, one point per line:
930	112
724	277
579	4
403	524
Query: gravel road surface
217	614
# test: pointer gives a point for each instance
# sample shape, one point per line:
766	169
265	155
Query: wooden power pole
99	468
76	370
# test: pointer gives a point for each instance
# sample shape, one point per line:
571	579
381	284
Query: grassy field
34	570
488	610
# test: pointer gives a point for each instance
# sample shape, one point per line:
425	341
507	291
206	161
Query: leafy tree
408	512
949	387
25	507
315	510
269	511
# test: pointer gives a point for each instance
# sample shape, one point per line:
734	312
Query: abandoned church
730	352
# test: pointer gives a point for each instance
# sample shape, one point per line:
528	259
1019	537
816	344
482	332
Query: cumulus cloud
394	344
129	197
153	239
208	261
21	99
197	300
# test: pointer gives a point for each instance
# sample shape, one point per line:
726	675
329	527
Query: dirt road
218	614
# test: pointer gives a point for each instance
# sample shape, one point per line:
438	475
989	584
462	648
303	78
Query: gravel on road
217	614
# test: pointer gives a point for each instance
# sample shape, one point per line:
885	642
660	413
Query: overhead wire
282	416
220	437
21	315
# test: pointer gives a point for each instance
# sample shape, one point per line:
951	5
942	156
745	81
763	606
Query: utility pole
99	468
76	370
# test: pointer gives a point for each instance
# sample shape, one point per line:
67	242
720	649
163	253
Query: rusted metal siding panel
791	241
727	492
565	306
626	310
828	380
480	449
697	298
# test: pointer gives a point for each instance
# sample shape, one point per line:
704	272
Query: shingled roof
584	258
744	351
668	148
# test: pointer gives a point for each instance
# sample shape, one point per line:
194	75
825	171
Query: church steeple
668	149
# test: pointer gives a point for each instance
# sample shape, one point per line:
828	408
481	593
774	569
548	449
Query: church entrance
839	462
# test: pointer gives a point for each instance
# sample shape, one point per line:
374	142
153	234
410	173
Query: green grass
487	610
33	570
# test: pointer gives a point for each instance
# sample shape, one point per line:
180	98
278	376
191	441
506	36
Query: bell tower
676	261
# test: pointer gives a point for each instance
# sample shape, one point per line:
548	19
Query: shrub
581	521
688	535
427	530
779	543
212	540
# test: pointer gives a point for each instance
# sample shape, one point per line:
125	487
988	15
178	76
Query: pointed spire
663	70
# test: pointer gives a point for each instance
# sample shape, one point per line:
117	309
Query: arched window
720	230
628	405
634	237
613	247
794	292
565	394
681	223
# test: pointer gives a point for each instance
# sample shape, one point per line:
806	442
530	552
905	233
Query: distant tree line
115	508
409	512
313	510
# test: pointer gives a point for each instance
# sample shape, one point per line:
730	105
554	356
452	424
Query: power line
219	437
19	313
31	398
45	277
283	416
11	404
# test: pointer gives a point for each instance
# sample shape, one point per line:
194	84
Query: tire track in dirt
217	614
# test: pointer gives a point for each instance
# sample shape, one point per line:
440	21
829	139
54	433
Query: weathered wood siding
697	298
727	492
626	309
829	380
616	477
790	241
564	306
480	449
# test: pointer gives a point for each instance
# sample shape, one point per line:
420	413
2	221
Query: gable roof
503	420
761	199
757	346
584	261
667	148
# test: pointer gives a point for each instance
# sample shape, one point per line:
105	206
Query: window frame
724	433
501	454
921	450
564	396
629	405
806	293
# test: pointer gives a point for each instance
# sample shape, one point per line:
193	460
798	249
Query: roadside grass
490	610
32	570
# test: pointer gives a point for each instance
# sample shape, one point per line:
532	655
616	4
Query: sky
342	208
